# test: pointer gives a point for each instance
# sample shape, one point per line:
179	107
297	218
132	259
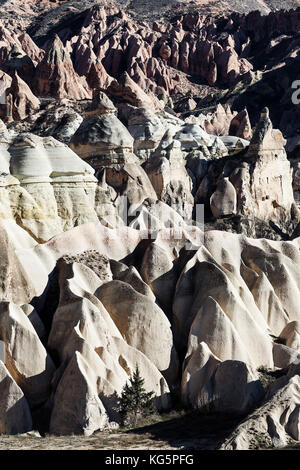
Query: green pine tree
134	400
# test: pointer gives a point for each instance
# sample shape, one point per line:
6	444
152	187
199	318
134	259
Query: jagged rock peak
56	53
16	52
265	138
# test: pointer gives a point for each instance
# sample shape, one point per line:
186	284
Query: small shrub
268	376
135	402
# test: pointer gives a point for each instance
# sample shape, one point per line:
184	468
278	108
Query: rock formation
274	424
18	61
20	101
55	75
57	188
148	216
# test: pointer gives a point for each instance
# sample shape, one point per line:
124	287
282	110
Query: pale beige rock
231	303
50	189
35	320
223	202
291	335
274	423
20	101
26	358
81	323
196	384
106	144
224	387
213	327
15	417
170	179
131	276
161	264
41	260
265	188
142	323
269	304
16	286
77	408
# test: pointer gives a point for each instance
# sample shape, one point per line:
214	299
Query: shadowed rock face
21	102
227	302
15	285
112	147
56	77
203	49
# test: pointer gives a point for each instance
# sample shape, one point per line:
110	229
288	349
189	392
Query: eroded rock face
25	357
20	63
275	423
133	312
256	182
46	188
106	359
170	179
15	417
223	202
58	121
21	102
271	176
15	285
240	126
56	77
227	387
85	295
77	408
112	304
290	335
104	142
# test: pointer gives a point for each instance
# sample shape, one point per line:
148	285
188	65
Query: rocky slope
140	224
192	52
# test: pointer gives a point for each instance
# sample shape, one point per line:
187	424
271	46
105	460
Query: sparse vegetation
268	376
135	402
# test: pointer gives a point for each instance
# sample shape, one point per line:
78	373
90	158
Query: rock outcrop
56	77
20	101
25	357
20	63
275	424
271	175
105	143
105	320
228	387
57	188
15	417
144	222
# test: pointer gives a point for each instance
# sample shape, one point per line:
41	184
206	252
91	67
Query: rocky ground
173	431
149	216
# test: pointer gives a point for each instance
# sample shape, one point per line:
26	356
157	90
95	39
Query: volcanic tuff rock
46	188
275	423
226	387
104	142
229	325
21	102
15	417
271	187
18	61
25	357
92	283
56	77
194	44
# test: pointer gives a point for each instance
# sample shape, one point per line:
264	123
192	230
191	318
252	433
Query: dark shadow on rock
47	303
